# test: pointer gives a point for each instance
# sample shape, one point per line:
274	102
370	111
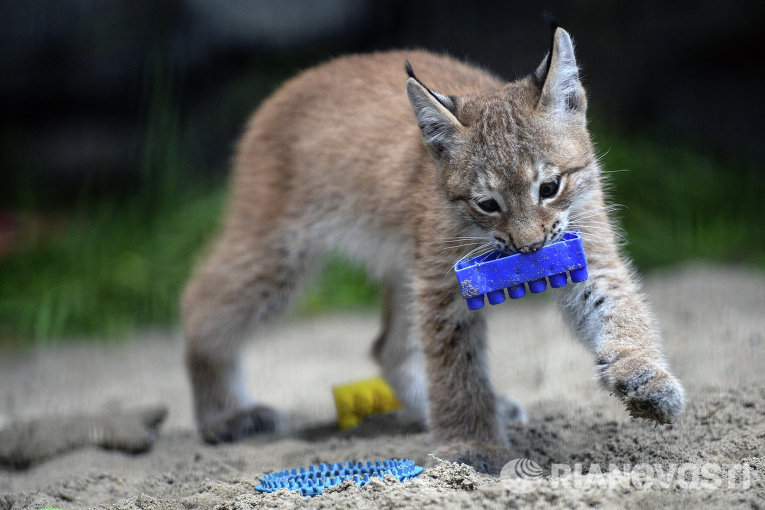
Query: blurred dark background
119	117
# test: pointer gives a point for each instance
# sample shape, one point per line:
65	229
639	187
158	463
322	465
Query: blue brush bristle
313	480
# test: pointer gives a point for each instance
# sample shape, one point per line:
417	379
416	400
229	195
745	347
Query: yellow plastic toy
359	399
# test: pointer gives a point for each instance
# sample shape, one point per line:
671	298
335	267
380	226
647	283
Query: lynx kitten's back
338	147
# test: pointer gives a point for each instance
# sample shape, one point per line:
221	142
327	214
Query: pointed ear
435	115
562	92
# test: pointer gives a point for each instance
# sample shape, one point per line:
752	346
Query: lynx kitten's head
518	160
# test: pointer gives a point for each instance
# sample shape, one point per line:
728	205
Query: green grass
119	265
681	205
111	270
116	265
115	269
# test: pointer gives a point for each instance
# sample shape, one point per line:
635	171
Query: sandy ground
712	318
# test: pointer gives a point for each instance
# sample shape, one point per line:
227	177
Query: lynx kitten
339	159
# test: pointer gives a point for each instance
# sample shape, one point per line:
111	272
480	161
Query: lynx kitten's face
518	160
522	173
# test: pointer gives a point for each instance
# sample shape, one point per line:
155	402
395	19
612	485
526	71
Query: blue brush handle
490	274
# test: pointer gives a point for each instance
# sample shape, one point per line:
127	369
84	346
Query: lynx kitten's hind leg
399	353
247	280
510	409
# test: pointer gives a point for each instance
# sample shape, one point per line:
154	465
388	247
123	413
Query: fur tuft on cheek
584	185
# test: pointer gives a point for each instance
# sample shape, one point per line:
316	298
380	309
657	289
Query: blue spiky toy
311	481
494	272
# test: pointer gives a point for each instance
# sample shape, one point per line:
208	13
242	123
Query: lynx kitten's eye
549	189
489	205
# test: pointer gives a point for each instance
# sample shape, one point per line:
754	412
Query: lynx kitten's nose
529	248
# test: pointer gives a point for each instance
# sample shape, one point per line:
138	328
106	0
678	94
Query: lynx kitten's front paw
481	456
647	389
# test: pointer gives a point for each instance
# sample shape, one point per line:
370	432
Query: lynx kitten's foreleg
462	411
609	314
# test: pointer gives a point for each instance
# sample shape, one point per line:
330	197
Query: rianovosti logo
521	475
524	475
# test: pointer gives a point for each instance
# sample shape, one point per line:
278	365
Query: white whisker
449	248
462	238
475	252
600	158
455	241
602	230
594	212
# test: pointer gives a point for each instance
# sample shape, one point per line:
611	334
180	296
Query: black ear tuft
409	70
550	19
449	102
411	74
